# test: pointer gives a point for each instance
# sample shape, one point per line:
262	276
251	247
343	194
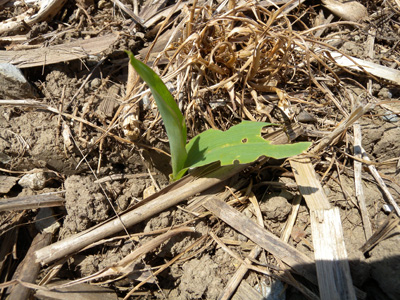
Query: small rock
276	208
387	208
274	291
36	181
288	181
390	117
385	93
95	83
349	10
13	84
7	114
7	183
4	158
149	191
140	35
122	202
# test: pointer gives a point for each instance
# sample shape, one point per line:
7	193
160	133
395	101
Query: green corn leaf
174	121
241	143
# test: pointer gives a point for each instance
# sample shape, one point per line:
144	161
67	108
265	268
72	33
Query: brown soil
33	139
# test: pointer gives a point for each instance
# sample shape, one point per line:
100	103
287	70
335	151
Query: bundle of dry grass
240	54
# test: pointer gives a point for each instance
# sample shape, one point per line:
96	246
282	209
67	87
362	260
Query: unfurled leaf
242	144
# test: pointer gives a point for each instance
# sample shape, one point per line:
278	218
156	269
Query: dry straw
231	59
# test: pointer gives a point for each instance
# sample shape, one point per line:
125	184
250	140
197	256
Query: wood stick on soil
381	183
246	291
166	265
285	237
31	202
391	222
59	53
333	269
235	280
292	218
281	250
165	200
288	254
291	6
123	267
129	12
379	180
358	182
360	65
330	252
287	279
28	269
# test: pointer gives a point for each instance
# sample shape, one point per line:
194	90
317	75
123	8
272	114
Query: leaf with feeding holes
241	143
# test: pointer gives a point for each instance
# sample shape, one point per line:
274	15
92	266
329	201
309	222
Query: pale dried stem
28	269
159	202
330	251
331	255
129	12
357	113
235	280
124	267
390	224
358	182
31	202
165	266
77	49
381	183
291	219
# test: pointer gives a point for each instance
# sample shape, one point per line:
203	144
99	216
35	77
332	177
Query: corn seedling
241	143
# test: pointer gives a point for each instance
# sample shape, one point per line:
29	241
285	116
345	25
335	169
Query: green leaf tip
173	119
241	143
